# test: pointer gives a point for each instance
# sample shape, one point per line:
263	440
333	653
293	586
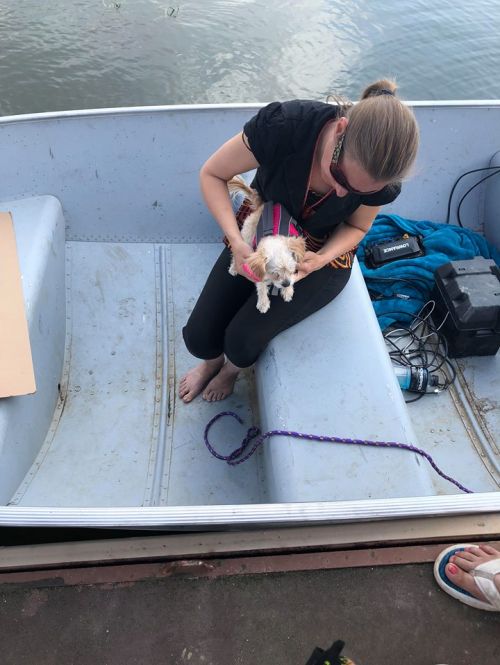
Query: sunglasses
339	175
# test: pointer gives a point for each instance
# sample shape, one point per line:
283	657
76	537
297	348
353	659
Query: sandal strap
490	568
484	575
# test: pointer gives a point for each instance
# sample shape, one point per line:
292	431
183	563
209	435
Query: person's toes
458	576
465	560
474	550
184	386
490	550
464	580
462	563
214	395
186	395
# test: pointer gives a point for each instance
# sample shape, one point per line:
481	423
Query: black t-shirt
282	137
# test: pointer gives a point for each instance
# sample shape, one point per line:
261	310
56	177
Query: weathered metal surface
388	614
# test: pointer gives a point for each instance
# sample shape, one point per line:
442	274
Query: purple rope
237	457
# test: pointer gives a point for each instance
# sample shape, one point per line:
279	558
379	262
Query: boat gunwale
327	512
160	108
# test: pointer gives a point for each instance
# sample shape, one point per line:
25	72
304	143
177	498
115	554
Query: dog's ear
237	185
257	263
298	248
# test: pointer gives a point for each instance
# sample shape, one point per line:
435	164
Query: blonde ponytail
382	134
384	86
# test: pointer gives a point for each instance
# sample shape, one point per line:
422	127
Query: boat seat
40	238
342	348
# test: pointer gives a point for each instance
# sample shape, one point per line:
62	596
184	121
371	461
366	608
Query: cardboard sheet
16	365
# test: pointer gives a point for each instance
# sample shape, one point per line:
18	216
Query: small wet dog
276	257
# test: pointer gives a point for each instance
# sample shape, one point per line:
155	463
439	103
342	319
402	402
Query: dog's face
276	259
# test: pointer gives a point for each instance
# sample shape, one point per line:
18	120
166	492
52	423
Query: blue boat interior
107	291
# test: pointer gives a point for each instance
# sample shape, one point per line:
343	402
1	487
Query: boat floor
120	435
224	613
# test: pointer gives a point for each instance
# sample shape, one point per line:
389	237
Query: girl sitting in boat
332	166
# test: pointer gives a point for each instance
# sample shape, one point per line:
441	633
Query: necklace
308	210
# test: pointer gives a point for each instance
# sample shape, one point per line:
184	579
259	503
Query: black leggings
226	320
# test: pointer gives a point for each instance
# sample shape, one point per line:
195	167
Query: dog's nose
285	283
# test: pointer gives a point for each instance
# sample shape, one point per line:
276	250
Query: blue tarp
442	242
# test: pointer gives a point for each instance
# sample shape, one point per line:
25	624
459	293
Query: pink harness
275	220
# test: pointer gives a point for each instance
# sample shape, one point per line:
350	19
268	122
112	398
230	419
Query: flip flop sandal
483	575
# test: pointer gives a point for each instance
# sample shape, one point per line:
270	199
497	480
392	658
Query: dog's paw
263	305
287	293
232	270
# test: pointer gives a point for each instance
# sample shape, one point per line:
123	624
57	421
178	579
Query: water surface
58	55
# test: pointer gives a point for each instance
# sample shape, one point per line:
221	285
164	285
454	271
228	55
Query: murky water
58	54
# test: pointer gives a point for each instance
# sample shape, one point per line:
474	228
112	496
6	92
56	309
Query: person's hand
309	264
241	251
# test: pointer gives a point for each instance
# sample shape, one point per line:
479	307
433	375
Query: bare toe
460	569
490	550
213	395
464	580
464	559
197	378
221	386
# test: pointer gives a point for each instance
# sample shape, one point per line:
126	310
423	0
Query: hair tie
383	91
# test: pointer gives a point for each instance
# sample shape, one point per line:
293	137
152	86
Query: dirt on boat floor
178	613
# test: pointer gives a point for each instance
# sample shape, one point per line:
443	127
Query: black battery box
467	297
403	247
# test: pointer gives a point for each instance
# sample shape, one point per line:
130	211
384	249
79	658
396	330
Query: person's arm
345	237
231	159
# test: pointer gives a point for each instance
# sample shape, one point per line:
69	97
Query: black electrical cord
469	191
418	350
422	350
486	168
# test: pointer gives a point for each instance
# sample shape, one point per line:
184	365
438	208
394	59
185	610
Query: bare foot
197	378
222	384
461	563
